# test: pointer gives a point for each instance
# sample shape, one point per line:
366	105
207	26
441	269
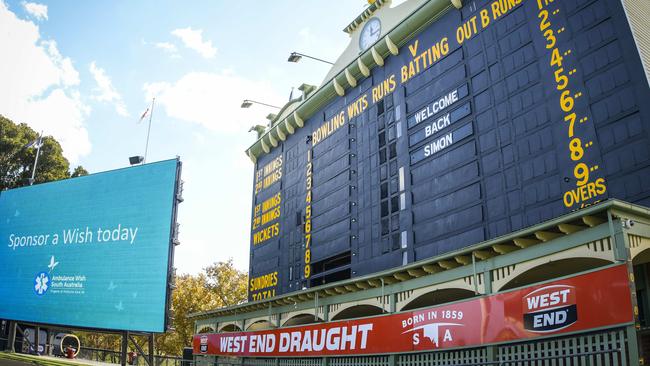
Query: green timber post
326	317
278	320
490	351
619	239
622	253
392	359
392	308
392	299
316	307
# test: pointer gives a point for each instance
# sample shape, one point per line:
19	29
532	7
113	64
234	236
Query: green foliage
78	172
227	283
17	159
100	340
219	285
191	295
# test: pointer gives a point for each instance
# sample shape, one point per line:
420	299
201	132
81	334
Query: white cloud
38	11
40	85
105	92
193	39
168	48
214	99
69	76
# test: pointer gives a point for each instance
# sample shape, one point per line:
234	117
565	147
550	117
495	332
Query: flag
144	115
35	144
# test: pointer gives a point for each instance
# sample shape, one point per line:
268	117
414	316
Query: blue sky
85	71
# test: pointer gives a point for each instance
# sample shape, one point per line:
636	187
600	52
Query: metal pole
125	344
264	104
37	339
146	148
12	337
314	58
38	152
152	348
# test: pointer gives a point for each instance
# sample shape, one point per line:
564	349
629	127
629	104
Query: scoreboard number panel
495	117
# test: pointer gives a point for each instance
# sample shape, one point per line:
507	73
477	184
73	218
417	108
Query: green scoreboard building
469	185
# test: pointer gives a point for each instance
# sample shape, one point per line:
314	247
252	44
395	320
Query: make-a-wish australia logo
438	333
58	283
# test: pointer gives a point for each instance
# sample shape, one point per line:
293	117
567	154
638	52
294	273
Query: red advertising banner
592	300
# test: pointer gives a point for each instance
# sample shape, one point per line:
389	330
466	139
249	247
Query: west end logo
550	308
204	344
436	332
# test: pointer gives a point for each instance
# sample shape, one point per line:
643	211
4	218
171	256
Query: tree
219	285
101	341
228	283
78	172
17	157
191	295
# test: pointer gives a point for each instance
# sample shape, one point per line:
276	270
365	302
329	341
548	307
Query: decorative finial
259	129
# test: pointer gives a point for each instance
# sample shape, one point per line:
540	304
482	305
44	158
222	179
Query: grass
35	360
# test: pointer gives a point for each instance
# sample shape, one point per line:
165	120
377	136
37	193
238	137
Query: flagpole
38	152
146	149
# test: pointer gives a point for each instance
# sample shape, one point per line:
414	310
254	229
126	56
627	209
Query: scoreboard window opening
331	277
332	269
333	262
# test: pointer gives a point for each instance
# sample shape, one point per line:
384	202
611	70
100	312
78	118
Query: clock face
370	33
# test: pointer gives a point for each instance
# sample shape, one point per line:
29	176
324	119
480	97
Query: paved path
14	363
77	361
17	359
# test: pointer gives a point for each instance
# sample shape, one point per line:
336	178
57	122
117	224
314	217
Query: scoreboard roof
352	66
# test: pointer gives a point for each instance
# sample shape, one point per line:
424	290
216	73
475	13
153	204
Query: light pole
296	56
247	103
146	147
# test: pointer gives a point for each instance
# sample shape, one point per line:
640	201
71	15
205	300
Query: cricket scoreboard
495	117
